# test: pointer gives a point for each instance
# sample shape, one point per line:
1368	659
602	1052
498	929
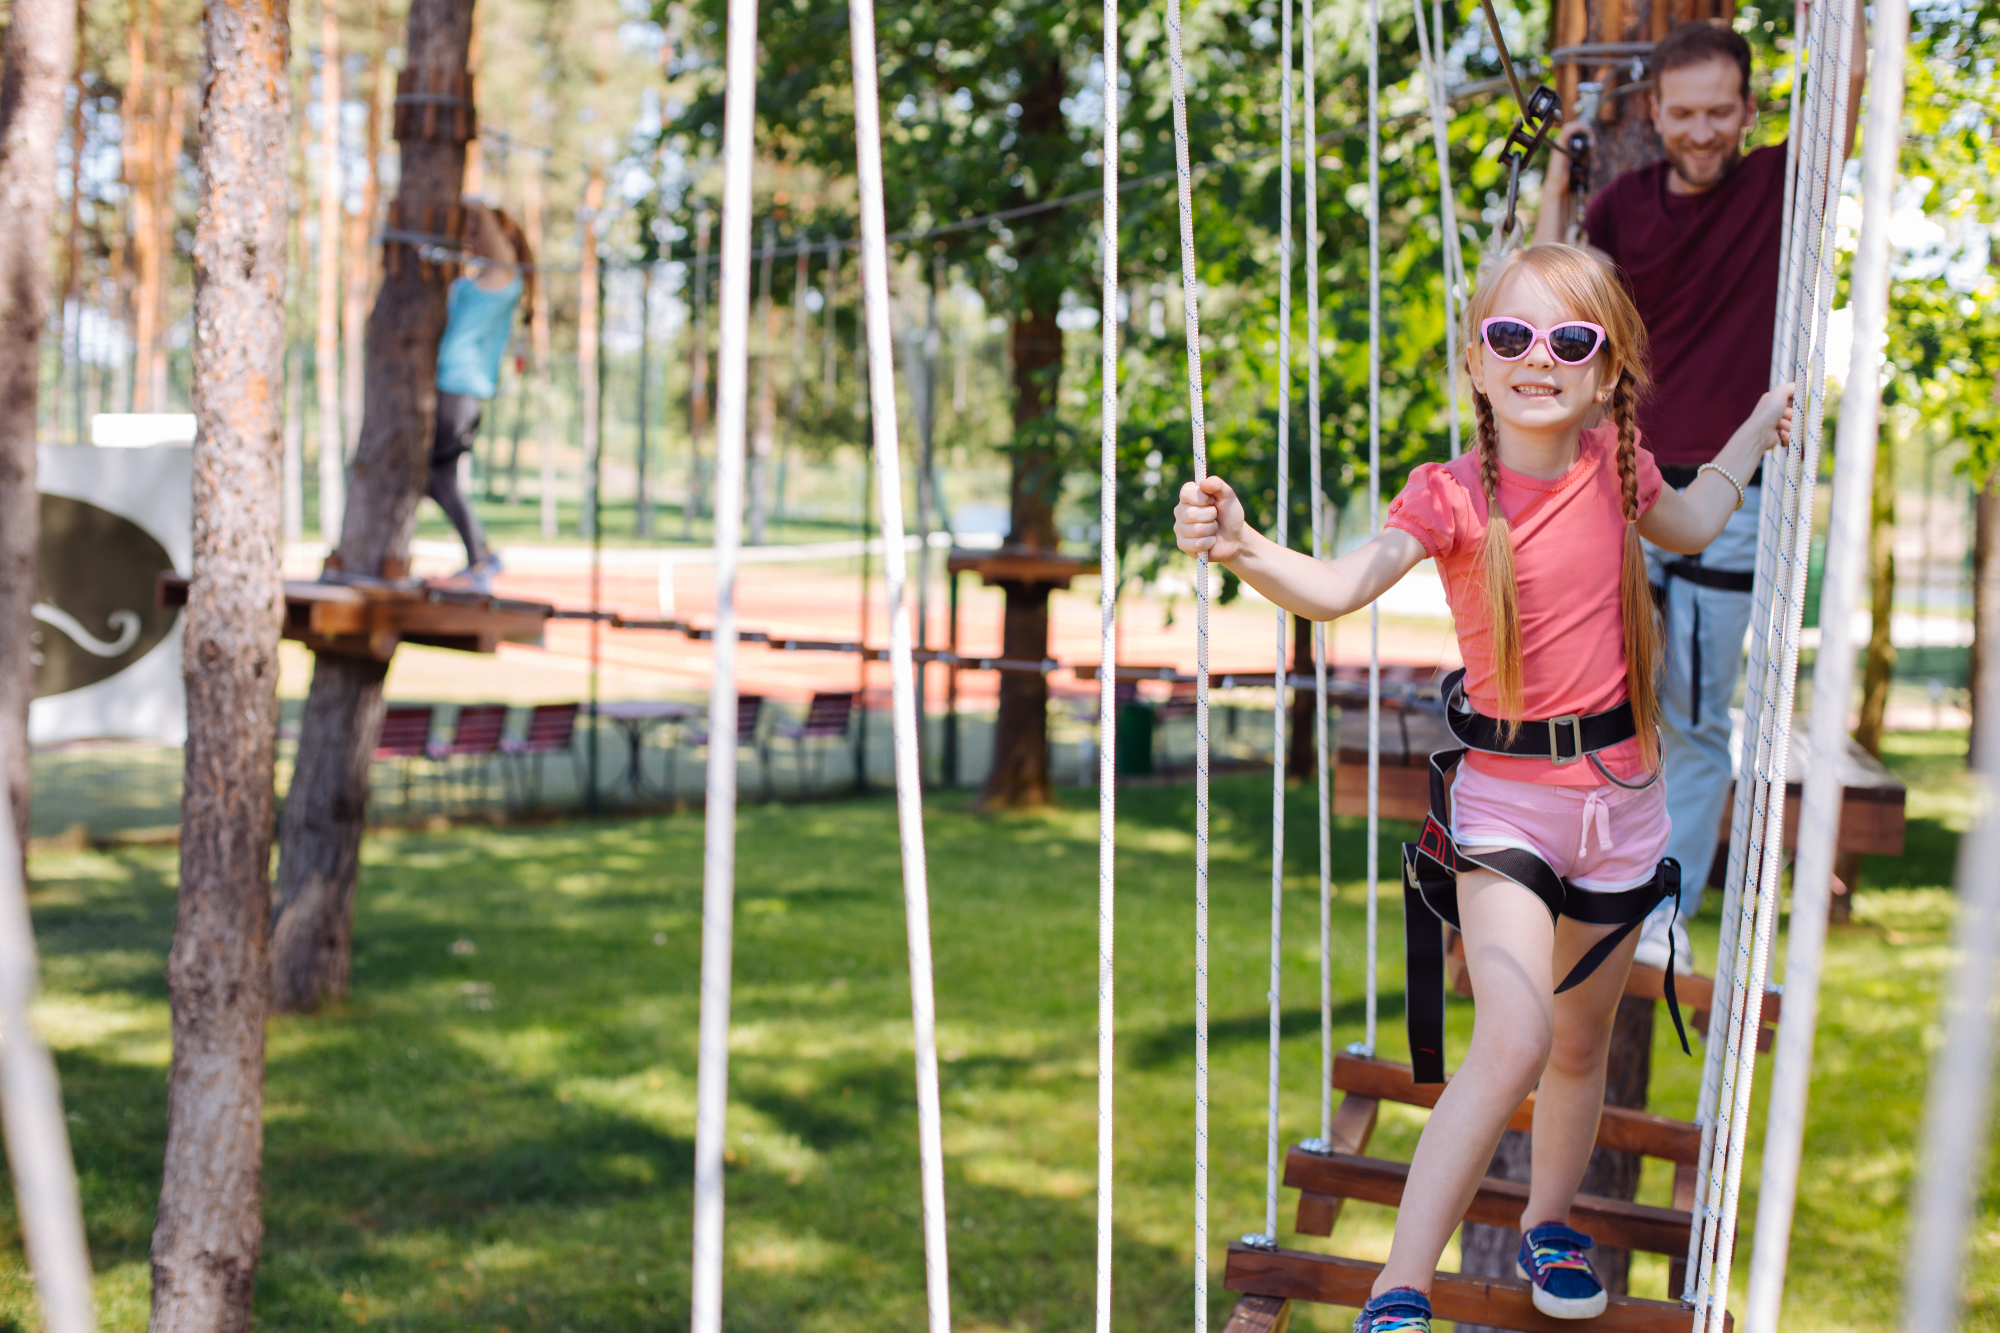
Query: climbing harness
1431	864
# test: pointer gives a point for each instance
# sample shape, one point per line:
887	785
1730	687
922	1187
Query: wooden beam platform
1612	1222
1620	1129
1498	1302
371	618
1259	1314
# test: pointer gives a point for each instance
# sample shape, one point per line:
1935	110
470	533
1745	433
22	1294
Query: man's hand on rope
1209	520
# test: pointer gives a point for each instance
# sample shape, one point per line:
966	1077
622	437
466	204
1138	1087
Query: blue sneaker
1398	1310
1566	1287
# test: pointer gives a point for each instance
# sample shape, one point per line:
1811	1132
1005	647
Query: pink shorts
1601	838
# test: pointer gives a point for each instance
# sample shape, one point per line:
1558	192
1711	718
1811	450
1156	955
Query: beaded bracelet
1727	476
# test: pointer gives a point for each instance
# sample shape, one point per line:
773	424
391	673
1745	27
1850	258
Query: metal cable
1191	322
1431	61
719	820
1833	680
1107	674
902	672
1282	666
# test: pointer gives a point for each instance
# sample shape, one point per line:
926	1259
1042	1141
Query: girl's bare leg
1571	1095
1508	945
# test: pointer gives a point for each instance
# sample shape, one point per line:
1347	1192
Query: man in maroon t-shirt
1697	238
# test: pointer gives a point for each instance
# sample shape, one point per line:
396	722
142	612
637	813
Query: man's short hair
1699	42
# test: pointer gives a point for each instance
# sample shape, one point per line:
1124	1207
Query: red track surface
813	602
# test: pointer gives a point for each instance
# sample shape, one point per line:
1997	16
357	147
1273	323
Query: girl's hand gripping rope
1209	520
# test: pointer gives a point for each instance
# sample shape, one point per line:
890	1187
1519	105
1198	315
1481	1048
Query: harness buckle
1575	724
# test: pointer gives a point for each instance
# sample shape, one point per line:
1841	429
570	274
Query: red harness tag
1435	843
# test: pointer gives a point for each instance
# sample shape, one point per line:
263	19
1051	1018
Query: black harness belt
1722	580
1432	863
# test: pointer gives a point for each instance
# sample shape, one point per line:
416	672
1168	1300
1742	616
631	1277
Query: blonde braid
1503	600
1640	614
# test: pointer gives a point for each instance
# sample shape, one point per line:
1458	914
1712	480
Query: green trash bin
1135	739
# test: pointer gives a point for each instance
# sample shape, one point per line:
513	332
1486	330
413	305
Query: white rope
1785	561
45	1192
1107	674
719	824
1191	322
1833	680
1374	494
1319	627
1282	666
1432	70
902	674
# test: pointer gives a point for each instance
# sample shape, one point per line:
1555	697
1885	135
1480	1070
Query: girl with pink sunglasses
1544	846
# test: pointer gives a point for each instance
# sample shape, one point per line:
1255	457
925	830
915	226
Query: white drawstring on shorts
1594	805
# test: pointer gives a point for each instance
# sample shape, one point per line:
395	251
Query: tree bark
1302	745
588	304
210	1225
37	52
1985	576
359	263
1490	1251
1020	776
326	809
1879	660
326	297
764	436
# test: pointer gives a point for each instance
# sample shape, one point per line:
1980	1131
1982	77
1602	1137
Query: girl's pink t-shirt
1569	543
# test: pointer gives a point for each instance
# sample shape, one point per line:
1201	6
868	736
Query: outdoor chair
827	718
551	730
405	738
749	713
476	734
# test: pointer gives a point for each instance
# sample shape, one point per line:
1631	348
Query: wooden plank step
1612	1222
1353	1126
1259	1314
1620	1128
1498	1302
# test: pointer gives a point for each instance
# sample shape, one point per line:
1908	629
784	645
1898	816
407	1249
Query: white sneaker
1654	945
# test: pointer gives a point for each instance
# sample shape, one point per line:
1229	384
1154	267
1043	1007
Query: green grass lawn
496	1132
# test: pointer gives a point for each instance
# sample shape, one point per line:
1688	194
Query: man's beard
1723	167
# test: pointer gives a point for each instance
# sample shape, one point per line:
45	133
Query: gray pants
1705	630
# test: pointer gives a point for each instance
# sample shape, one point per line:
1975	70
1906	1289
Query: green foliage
1944	315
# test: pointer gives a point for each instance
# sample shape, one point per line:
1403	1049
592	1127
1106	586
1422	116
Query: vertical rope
1764	855
1833	680
1374	494
902	673
1282	661
38	1153
1320	737
1432	61
1107	672
1191	322
718	899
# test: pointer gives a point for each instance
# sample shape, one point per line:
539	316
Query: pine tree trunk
327	807
37	51
210	1224
1879	660
589	303
1985	576
1020	775
326	297
1302	745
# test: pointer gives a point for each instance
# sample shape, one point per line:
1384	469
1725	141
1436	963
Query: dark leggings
457	425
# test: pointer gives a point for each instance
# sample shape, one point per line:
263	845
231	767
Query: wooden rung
1353	1126
1259	1314
1497	1302
1620	1129
1685	1178
1613	1222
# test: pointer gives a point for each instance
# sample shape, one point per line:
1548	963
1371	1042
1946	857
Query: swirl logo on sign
97	610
